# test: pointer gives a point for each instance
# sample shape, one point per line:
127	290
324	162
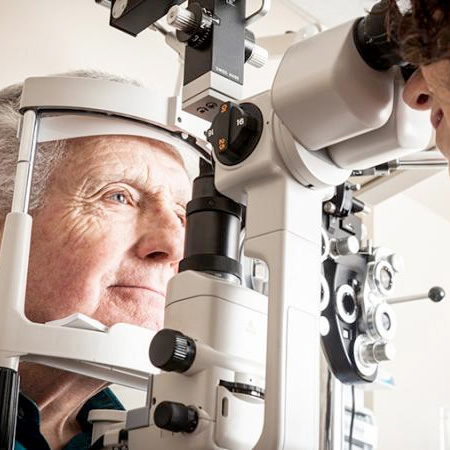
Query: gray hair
48	153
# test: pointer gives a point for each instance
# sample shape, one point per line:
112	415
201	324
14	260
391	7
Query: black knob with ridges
175	417
172	351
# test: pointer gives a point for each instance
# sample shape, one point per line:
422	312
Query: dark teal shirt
29	437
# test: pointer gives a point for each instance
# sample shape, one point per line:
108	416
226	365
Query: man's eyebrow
179	195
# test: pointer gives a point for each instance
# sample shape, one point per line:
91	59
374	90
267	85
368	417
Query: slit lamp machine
275	265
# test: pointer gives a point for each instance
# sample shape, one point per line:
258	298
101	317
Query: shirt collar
28	419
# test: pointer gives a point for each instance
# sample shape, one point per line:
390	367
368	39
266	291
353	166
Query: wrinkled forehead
89	164
127	148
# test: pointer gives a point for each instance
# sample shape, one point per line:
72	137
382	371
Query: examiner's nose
416	93
161	236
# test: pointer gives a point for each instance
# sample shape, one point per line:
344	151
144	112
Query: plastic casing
407	131
327	96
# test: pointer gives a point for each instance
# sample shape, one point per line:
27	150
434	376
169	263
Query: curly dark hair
422	32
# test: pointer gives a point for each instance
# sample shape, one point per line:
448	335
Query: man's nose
161	235
416	93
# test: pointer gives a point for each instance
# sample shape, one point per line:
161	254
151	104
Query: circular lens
348	304
386	278
381	322
386	321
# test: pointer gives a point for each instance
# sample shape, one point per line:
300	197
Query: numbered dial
235	132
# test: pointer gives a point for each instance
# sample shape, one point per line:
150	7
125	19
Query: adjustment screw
377	352
329	208
345	246
182	19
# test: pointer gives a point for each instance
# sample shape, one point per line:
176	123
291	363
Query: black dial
171	350
175	417
235	132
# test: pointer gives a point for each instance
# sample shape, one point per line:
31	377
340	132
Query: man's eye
120	197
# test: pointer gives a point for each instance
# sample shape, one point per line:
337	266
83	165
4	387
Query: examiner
422	31
108	230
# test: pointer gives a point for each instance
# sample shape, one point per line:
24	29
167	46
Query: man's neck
59	396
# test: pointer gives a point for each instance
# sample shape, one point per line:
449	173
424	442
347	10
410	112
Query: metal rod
412	298
435	294
24	171
422	164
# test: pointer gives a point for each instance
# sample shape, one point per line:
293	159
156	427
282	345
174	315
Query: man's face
110	234
429	88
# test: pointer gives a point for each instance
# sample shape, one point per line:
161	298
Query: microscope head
345	83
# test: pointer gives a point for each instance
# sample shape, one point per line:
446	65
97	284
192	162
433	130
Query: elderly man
108	230
422	31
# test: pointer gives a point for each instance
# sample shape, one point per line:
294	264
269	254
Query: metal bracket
265	7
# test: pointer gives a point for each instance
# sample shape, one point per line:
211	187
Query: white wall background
408	416
51	36
39	38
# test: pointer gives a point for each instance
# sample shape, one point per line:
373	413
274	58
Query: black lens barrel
374	45
213	228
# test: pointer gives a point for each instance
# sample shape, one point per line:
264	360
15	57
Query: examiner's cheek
443	138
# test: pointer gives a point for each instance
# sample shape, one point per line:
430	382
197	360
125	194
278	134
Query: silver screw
329	208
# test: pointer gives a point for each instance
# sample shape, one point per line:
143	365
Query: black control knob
175	417
172	351
235	132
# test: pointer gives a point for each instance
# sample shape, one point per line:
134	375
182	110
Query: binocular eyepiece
377	48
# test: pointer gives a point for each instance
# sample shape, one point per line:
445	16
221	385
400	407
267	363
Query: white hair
47	154
46	157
